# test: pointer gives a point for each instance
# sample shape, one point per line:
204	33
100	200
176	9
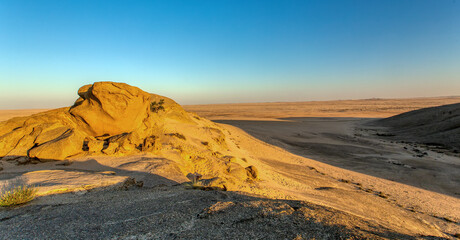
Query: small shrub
157	106
195	182
194	185
17	196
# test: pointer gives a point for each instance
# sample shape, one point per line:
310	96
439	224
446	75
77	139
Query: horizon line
242	103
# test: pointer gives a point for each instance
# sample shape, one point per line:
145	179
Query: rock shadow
89	170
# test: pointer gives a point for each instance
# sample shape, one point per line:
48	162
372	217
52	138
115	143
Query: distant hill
432	126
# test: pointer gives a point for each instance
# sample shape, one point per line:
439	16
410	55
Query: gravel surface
175	213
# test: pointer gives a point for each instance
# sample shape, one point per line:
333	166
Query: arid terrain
8	114
366	108
346	134
309	170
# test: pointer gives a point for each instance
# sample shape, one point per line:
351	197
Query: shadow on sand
333	141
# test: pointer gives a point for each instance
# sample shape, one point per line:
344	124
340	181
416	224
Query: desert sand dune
117	137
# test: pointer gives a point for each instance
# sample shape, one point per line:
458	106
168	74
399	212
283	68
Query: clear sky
229	51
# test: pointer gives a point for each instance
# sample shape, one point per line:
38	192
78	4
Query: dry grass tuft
17	196
195	185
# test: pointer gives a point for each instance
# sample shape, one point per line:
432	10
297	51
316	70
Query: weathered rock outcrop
110	108
116	119
107	114
49	135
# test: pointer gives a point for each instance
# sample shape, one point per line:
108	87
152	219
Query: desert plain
294	170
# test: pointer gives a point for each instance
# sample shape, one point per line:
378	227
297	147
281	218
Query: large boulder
53	130
108	108
65	145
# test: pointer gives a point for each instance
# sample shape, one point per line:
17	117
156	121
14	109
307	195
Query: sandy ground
338	199
346	143
7	114
172	213
371	108
334	133
370	187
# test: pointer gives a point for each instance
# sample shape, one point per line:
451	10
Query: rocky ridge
438	127
116	119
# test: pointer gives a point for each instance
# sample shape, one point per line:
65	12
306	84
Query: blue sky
229	51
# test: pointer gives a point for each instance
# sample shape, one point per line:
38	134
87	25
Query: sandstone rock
111	149
38	131
151	144
128	142
111	108
95	145
50	133
237	171
16	144
68	144
252	172
83	91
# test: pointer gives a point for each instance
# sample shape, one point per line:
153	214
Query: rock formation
116	119
110	108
